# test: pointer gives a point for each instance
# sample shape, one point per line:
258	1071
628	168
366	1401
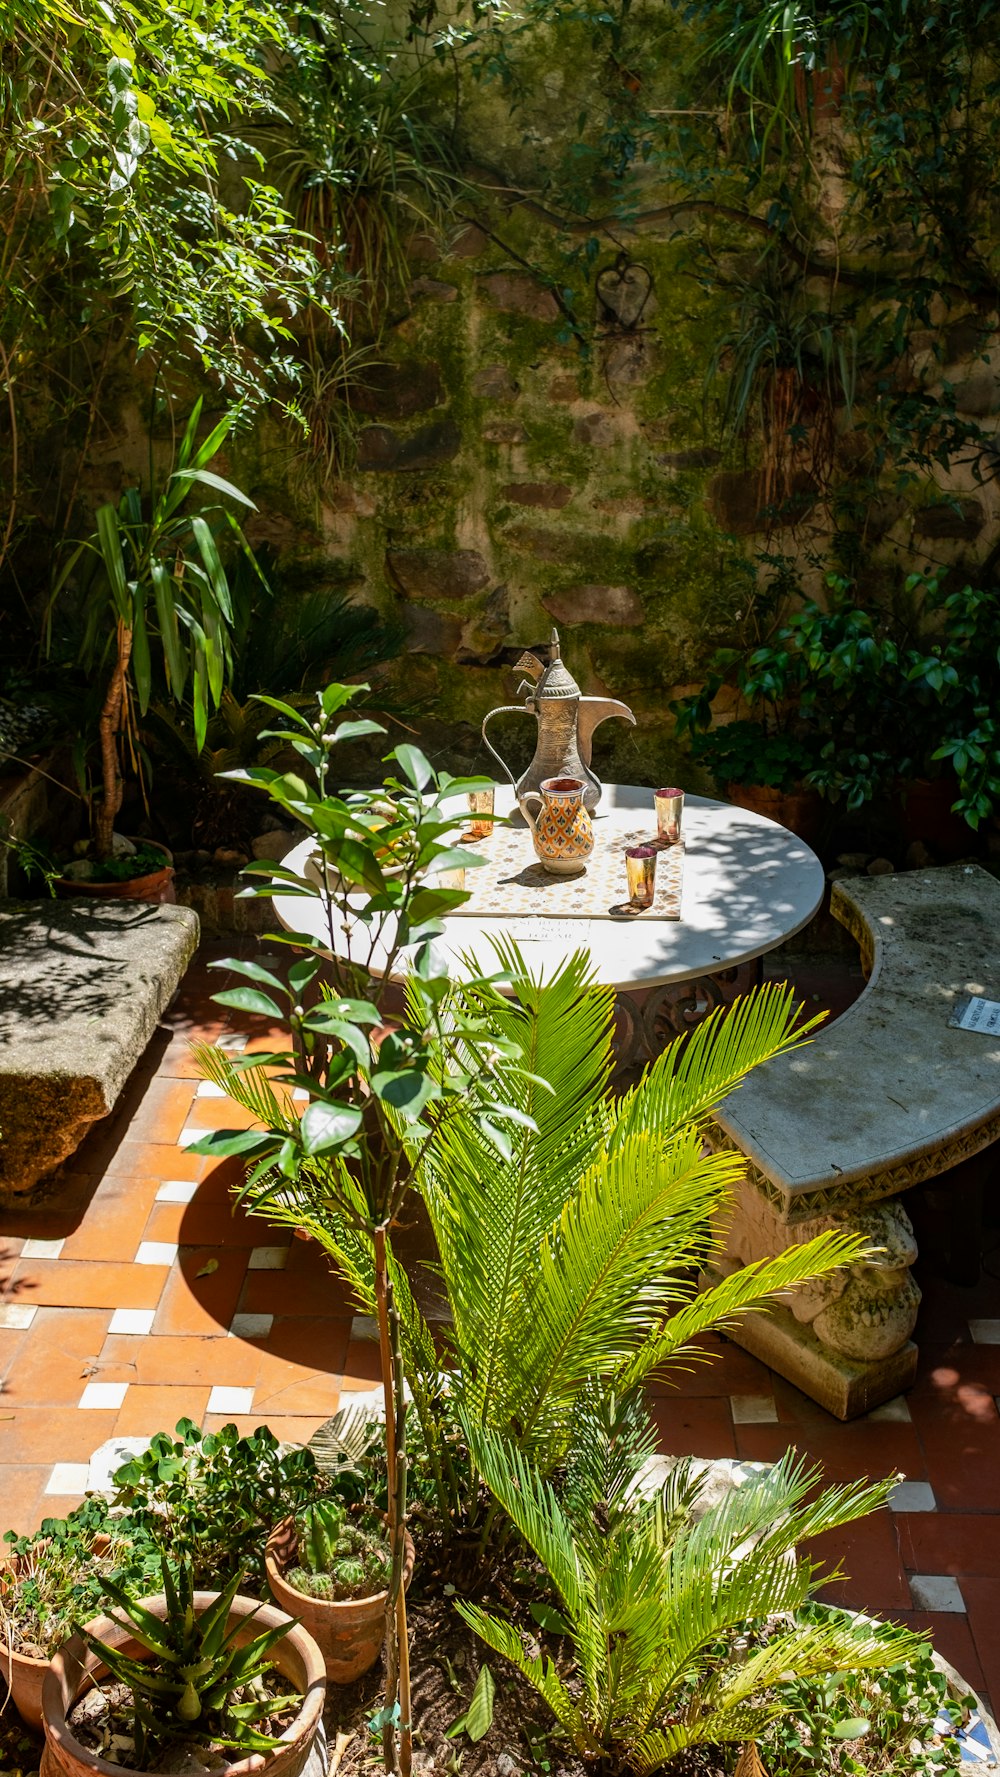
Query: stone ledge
82	989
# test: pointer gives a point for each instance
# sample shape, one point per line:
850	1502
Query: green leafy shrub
211	1498
199	1684
53	1578
339	1556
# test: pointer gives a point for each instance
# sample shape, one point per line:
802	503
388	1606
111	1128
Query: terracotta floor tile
44	1434
219	1113
210	1219
167	1361
950	1542
726	1370
201	1304
301	1367
982	1599
112	1225
162	1112
684	1426
11	1341
20	1491
867	1553
963	1463
69	1283
277	1292
149	1410
843	1452
56	1359
159	1160
296	1430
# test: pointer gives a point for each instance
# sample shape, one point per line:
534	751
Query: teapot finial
554	644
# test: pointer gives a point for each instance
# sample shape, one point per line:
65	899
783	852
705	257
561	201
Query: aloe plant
199	1683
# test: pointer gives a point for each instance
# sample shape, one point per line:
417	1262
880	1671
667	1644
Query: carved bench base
845	1386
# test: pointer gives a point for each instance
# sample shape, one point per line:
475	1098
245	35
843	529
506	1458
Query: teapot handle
505	709
531	796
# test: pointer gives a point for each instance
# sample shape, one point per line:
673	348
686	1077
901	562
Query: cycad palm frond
744	1291
489	1213
687	1081
248	1086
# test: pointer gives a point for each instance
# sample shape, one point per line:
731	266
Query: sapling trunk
397	1680
110	728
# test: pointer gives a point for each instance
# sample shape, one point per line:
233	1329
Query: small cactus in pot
330	1567
339	1557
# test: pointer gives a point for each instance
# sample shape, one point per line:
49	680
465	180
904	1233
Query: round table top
748	885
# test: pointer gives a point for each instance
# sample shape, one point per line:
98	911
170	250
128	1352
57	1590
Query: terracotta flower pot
350	1633
24	1678
75	1668
156	885
801	811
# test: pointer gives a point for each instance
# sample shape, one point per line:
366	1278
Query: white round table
748	885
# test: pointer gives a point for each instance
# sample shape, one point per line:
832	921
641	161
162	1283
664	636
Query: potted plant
158	603
832	711
49	1582
200	1673
330	1568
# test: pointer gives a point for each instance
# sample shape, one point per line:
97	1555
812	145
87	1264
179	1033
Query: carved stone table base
648	1019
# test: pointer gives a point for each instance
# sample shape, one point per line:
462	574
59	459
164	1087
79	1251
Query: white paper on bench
973	1013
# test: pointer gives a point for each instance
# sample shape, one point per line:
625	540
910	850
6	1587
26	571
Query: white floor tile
132	1320
897	1408
912	1496
233	1042
68	1477
103	1394
156	1252
230	1400
985	1332
177	1190
209	1089
268	1258
42	1249
16	1314
936	1591
753	1409
190	1133
251	1326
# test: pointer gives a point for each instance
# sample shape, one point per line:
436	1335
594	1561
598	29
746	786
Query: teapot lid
556	680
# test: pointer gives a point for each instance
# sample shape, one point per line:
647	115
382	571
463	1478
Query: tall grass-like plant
681	1622
158	593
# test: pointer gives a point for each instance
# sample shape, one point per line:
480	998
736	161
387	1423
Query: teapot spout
592	712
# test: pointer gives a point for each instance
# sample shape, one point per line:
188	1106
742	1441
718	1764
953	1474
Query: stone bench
885	1098
82	988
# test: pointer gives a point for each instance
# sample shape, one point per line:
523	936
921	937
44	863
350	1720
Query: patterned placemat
512	880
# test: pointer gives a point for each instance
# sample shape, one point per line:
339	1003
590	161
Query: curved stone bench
81	990
888	1096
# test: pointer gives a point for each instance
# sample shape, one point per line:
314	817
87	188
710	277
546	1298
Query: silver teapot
566	723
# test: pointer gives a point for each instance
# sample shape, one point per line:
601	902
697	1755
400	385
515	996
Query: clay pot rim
74	1653
151	879
283	1539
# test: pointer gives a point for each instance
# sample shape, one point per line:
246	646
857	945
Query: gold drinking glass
481	810
669	809
640	864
